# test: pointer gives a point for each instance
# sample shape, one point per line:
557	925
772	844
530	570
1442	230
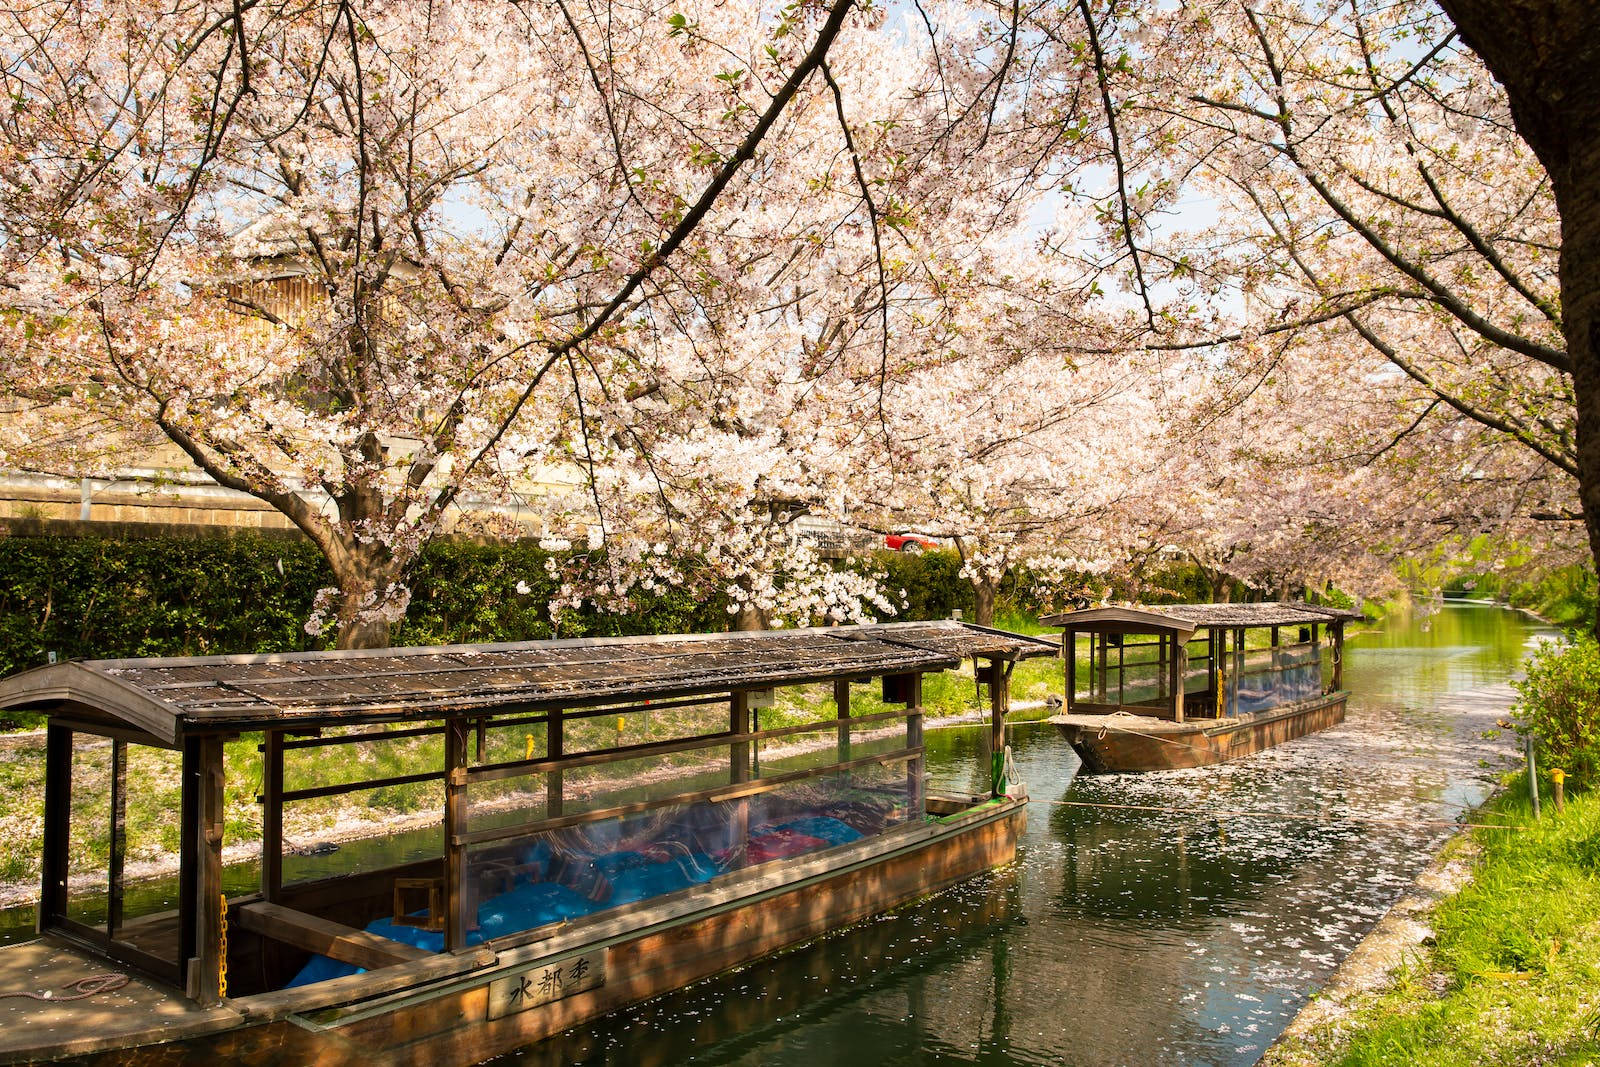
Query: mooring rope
91	986
1293	815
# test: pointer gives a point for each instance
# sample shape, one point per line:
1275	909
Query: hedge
99	597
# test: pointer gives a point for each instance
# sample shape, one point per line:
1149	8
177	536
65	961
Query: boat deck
1148	724
137	1012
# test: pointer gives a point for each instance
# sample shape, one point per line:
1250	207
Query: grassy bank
1512	972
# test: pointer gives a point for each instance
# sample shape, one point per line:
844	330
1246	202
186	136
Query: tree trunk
1547	55
749	619
983	597
364	574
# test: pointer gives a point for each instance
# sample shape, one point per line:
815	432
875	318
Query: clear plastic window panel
1297	676
557	875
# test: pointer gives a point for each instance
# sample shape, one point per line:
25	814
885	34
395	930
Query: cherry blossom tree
481	201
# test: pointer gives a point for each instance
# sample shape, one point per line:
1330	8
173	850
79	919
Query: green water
1124	936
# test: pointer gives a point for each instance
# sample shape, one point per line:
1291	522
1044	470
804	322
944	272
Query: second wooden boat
1152	698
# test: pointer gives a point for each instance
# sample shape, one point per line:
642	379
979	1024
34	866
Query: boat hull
465	1019
1124	744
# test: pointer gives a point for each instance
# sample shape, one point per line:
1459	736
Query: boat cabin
1183	662
577	790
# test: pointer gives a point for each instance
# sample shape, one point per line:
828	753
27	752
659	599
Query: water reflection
1120	935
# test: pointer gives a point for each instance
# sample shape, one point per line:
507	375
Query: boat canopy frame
314	699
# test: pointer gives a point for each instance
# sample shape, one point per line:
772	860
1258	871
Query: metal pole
1533	774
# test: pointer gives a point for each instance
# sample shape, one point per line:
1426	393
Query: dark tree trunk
1547	55
984	591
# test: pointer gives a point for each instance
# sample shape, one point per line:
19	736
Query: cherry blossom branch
1116	155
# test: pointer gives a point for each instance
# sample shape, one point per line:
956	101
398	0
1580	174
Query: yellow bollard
1559	777
621	725
528	751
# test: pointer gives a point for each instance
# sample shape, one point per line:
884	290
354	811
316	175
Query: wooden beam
57	831
203	781
1176	667
554	748
1338	655
841	702
455	825
272	815
341	788
495	772
738	774
999	704
1069	652
119	836
359	948
914	744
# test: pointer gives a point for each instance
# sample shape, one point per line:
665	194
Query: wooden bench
359	948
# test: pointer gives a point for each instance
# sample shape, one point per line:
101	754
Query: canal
1121	935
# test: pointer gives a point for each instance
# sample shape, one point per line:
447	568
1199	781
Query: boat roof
167	698
1185	619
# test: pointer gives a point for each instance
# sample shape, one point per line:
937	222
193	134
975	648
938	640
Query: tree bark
984	591
363	573
1547	55
750	619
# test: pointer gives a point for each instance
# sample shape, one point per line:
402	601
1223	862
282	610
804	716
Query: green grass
1516	954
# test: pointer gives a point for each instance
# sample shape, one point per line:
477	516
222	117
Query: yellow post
1559	777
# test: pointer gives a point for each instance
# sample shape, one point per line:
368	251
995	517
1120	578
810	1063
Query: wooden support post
914	741
1219	669
457	898
1176	673
1238	664
1105	658
483	739
555	748
272	815
1533	773
119	835
57	831
1069	651
738	772
202	787
999	704
1338	655
841	701
1122	669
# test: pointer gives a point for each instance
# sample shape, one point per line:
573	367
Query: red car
912	543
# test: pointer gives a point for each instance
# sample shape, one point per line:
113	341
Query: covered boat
615	823
1152	697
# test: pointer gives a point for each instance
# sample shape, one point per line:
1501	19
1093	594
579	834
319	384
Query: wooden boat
615	824
1154	699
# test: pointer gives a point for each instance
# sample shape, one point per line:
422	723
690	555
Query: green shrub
923	586
1559	702
103	597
